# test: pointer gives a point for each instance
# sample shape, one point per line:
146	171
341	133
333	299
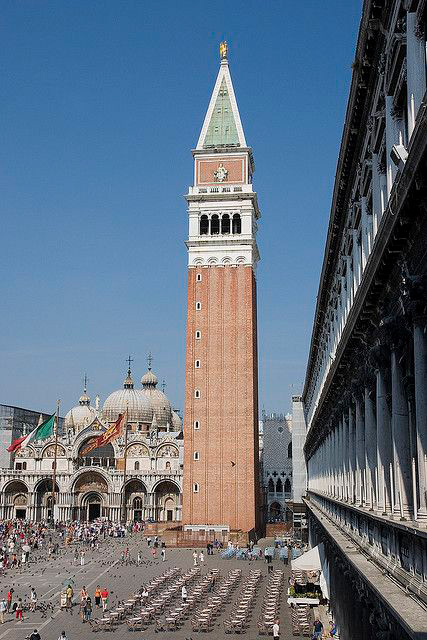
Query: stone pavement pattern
106	568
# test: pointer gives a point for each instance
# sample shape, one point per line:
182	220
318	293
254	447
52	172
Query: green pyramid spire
222	130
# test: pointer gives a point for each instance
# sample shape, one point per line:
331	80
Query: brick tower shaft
221	476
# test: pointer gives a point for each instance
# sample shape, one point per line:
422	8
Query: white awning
310	560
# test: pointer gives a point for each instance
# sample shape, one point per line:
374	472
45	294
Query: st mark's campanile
221	485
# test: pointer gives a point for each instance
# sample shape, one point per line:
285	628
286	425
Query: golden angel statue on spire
223	50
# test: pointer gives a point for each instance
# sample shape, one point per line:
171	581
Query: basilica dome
159	402
80	416
134	400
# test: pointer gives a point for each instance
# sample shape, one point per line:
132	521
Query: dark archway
276	512
100	457
16	500
166	501
44	499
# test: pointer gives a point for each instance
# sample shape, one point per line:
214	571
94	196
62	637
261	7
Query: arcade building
93	485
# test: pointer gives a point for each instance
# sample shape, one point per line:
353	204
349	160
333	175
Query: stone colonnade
374	453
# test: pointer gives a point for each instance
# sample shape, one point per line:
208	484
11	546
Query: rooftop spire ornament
149	360
129	360
223	50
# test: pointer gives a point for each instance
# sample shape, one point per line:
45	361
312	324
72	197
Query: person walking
201	557
82	557
163	554
184	593
98	596
76	557
317	629
3	609
88	609
276	630
10	598
33	599
69	593
35	635
19	610
63	636
104	598
195	558
138	559
83	594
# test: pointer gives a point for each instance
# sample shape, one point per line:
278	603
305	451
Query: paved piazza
106	568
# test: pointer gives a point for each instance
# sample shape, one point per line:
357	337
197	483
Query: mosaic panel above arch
49	452
27	452
138	451
91	481
167	451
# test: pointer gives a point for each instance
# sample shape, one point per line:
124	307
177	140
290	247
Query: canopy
310	560
315	560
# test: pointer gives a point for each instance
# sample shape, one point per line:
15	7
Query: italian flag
39	433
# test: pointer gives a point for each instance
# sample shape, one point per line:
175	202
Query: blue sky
101	104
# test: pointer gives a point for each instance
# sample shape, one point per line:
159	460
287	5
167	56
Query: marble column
415	69
345	461
334	462
360	449
340	459
370	450
384	443
420	374
351	455
401	441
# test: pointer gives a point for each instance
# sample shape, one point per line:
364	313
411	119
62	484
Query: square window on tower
196	455
196	425
196	487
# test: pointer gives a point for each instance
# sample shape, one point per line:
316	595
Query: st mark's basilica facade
92	485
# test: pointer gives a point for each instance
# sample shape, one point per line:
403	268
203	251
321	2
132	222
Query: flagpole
54	460
124	470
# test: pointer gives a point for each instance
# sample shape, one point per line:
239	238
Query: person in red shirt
104	598
9	599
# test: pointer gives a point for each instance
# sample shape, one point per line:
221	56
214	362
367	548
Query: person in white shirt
276	630
33	599
184	593
3	609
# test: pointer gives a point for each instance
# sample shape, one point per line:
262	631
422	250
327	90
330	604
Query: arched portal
44	499
91	507
90	497
16	500
136	500
166	501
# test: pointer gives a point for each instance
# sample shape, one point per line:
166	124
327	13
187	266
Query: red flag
111	434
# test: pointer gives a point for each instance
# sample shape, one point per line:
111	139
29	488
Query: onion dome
80	416
134	400
158	401
176	422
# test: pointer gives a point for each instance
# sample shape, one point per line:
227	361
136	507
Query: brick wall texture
227	441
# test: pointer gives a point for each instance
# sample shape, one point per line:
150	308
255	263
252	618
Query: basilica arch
104	456
167	501
90	496
44	500
16	500
136	500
